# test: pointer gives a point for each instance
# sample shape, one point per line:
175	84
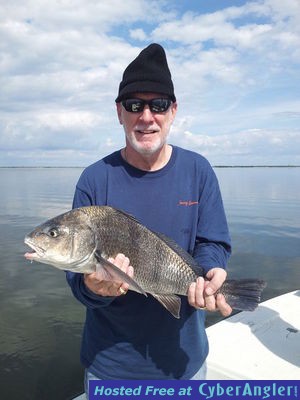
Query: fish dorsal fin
171	302
181	252
170	242
117	210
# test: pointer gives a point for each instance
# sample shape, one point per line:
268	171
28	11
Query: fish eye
53	232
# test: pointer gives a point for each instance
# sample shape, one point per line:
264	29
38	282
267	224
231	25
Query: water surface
40	320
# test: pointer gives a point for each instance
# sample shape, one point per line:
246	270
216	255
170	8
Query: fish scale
157	267
85	237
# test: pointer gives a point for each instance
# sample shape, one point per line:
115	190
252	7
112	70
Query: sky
235	67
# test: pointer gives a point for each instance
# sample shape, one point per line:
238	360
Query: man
171	191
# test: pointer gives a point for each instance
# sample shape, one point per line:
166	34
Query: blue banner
194	390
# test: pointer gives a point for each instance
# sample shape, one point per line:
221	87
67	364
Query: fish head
67	242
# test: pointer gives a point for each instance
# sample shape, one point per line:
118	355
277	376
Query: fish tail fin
243	294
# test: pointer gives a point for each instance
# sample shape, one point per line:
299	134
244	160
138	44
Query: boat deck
264	344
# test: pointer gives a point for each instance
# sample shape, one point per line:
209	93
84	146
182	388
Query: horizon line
214	166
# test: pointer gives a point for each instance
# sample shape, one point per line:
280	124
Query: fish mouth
37	252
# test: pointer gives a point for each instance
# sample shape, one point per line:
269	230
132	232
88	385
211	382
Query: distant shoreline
39	167
214	166
256	166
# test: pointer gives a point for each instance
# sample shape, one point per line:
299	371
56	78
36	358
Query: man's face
146	131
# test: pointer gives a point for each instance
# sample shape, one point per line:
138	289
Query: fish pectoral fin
171	302
118	275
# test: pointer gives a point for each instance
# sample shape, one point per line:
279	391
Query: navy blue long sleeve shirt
133	337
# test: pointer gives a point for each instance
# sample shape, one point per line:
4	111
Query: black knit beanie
149	72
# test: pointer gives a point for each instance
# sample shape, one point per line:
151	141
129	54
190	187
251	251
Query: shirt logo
187	203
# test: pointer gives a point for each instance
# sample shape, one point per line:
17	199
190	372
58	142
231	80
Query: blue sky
235	67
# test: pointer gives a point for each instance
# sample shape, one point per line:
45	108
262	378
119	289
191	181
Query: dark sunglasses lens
133	105
155	105
159	105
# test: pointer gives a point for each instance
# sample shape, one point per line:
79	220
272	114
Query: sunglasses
138	105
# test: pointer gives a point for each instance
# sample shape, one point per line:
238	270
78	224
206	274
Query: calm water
41	322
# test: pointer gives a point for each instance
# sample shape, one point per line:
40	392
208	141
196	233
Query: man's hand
100	283
201	294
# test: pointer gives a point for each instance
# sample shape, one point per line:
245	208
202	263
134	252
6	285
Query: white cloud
235	70
217	27
266	147
224	27
138	34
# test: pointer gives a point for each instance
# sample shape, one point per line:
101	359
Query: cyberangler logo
248	390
